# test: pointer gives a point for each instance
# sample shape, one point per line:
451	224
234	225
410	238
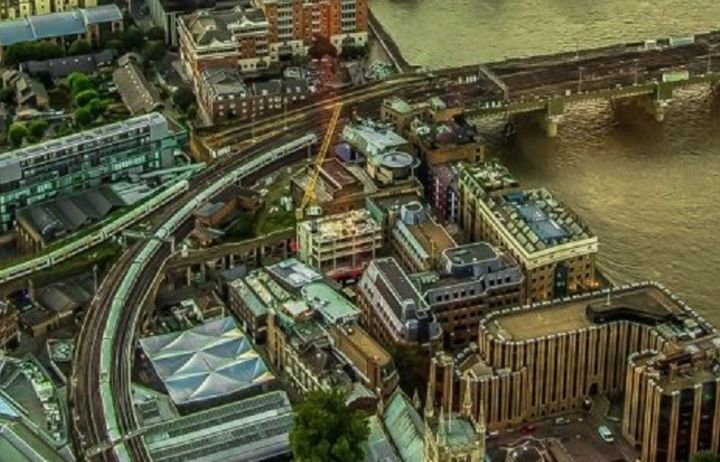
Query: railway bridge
644	75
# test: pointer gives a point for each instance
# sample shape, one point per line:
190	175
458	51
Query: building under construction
339	245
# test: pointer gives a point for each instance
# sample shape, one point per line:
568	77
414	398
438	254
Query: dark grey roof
136	92
60	68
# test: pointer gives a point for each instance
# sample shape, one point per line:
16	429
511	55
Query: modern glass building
83	160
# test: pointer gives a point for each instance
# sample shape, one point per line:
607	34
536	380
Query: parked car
528	429
606	434
562	421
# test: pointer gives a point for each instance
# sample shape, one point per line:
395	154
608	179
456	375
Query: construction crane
310	198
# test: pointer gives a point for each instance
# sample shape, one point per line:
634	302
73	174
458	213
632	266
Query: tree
17	133
321	47
37	128
133	38
326	430
352	52
83	117
115	44
79	47
47	50
78	82
155	33
706	457
183	98
6	95
98	107
84	98
154	51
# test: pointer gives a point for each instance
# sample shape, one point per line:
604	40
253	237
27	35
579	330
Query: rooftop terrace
340	226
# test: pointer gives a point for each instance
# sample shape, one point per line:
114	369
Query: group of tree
184	100
706	457
353	52
88	103
21	131
327	430
150	43
29	51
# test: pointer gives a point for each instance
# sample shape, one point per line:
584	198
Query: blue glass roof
542	225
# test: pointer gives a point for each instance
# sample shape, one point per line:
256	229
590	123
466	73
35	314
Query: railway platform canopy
208	363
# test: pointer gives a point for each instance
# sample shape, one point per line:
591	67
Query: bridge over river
641	74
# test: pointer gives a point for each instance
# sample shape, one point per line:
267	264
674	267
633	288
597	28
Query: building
417	240
14	9
442	191
60	68
339	245
207	364
294	24
166	13
139	96
254	429
223	95
393	309
110	153
9	325
638	341
554	247
399	112
235	39
27	92
470	281
63	27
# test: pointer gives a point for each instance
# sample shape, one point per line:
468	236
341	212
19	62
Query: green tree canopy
6	95
326	430
26	51
37	128
83	117
154	51
98	107
350	52
78	82
183	98
85	97
155	33
133	38
79	47
17	133
706	457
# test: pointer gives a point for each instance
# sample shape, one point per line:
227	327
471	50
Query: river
650	191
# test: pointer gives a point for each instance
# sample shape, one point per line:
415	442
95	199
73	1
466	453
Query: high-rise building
554	247
87	159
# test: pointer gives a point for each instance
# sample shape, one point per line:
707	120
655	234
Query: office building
63	27
637	341
339	245
393	309
83	160
166	14
470	281
554	247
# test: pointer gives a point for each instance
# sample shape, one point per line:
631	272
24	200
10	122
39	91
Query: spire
429	405
441	435
480	427
416	400
467	402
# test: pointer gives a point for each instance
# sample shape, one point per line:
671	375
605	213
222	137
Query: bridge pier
550	117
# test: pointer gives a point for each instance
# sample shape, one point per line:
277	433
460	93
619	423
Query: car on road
562	421
528	429
606	434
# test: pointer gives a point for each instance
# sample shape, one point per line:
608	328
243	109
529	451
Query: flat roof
432	236
359	337
471	253
294	272
562	316
342	225
329	303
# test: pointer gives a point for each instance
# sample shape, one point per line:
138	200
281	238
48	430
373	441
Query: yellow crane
309	197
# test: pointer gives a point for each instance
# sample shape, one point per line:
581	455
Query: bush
133	38
183	98
17	133
6	95
352	52
37	128
84	98
98	107
83	117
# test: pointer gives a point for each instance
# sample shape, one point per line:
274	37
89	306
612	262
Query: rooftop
208	361
294	272
405	426
365	343
398	105
356	222
534	218
372	138
137	93
471	253
333	307
54	25
646	303
218	27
